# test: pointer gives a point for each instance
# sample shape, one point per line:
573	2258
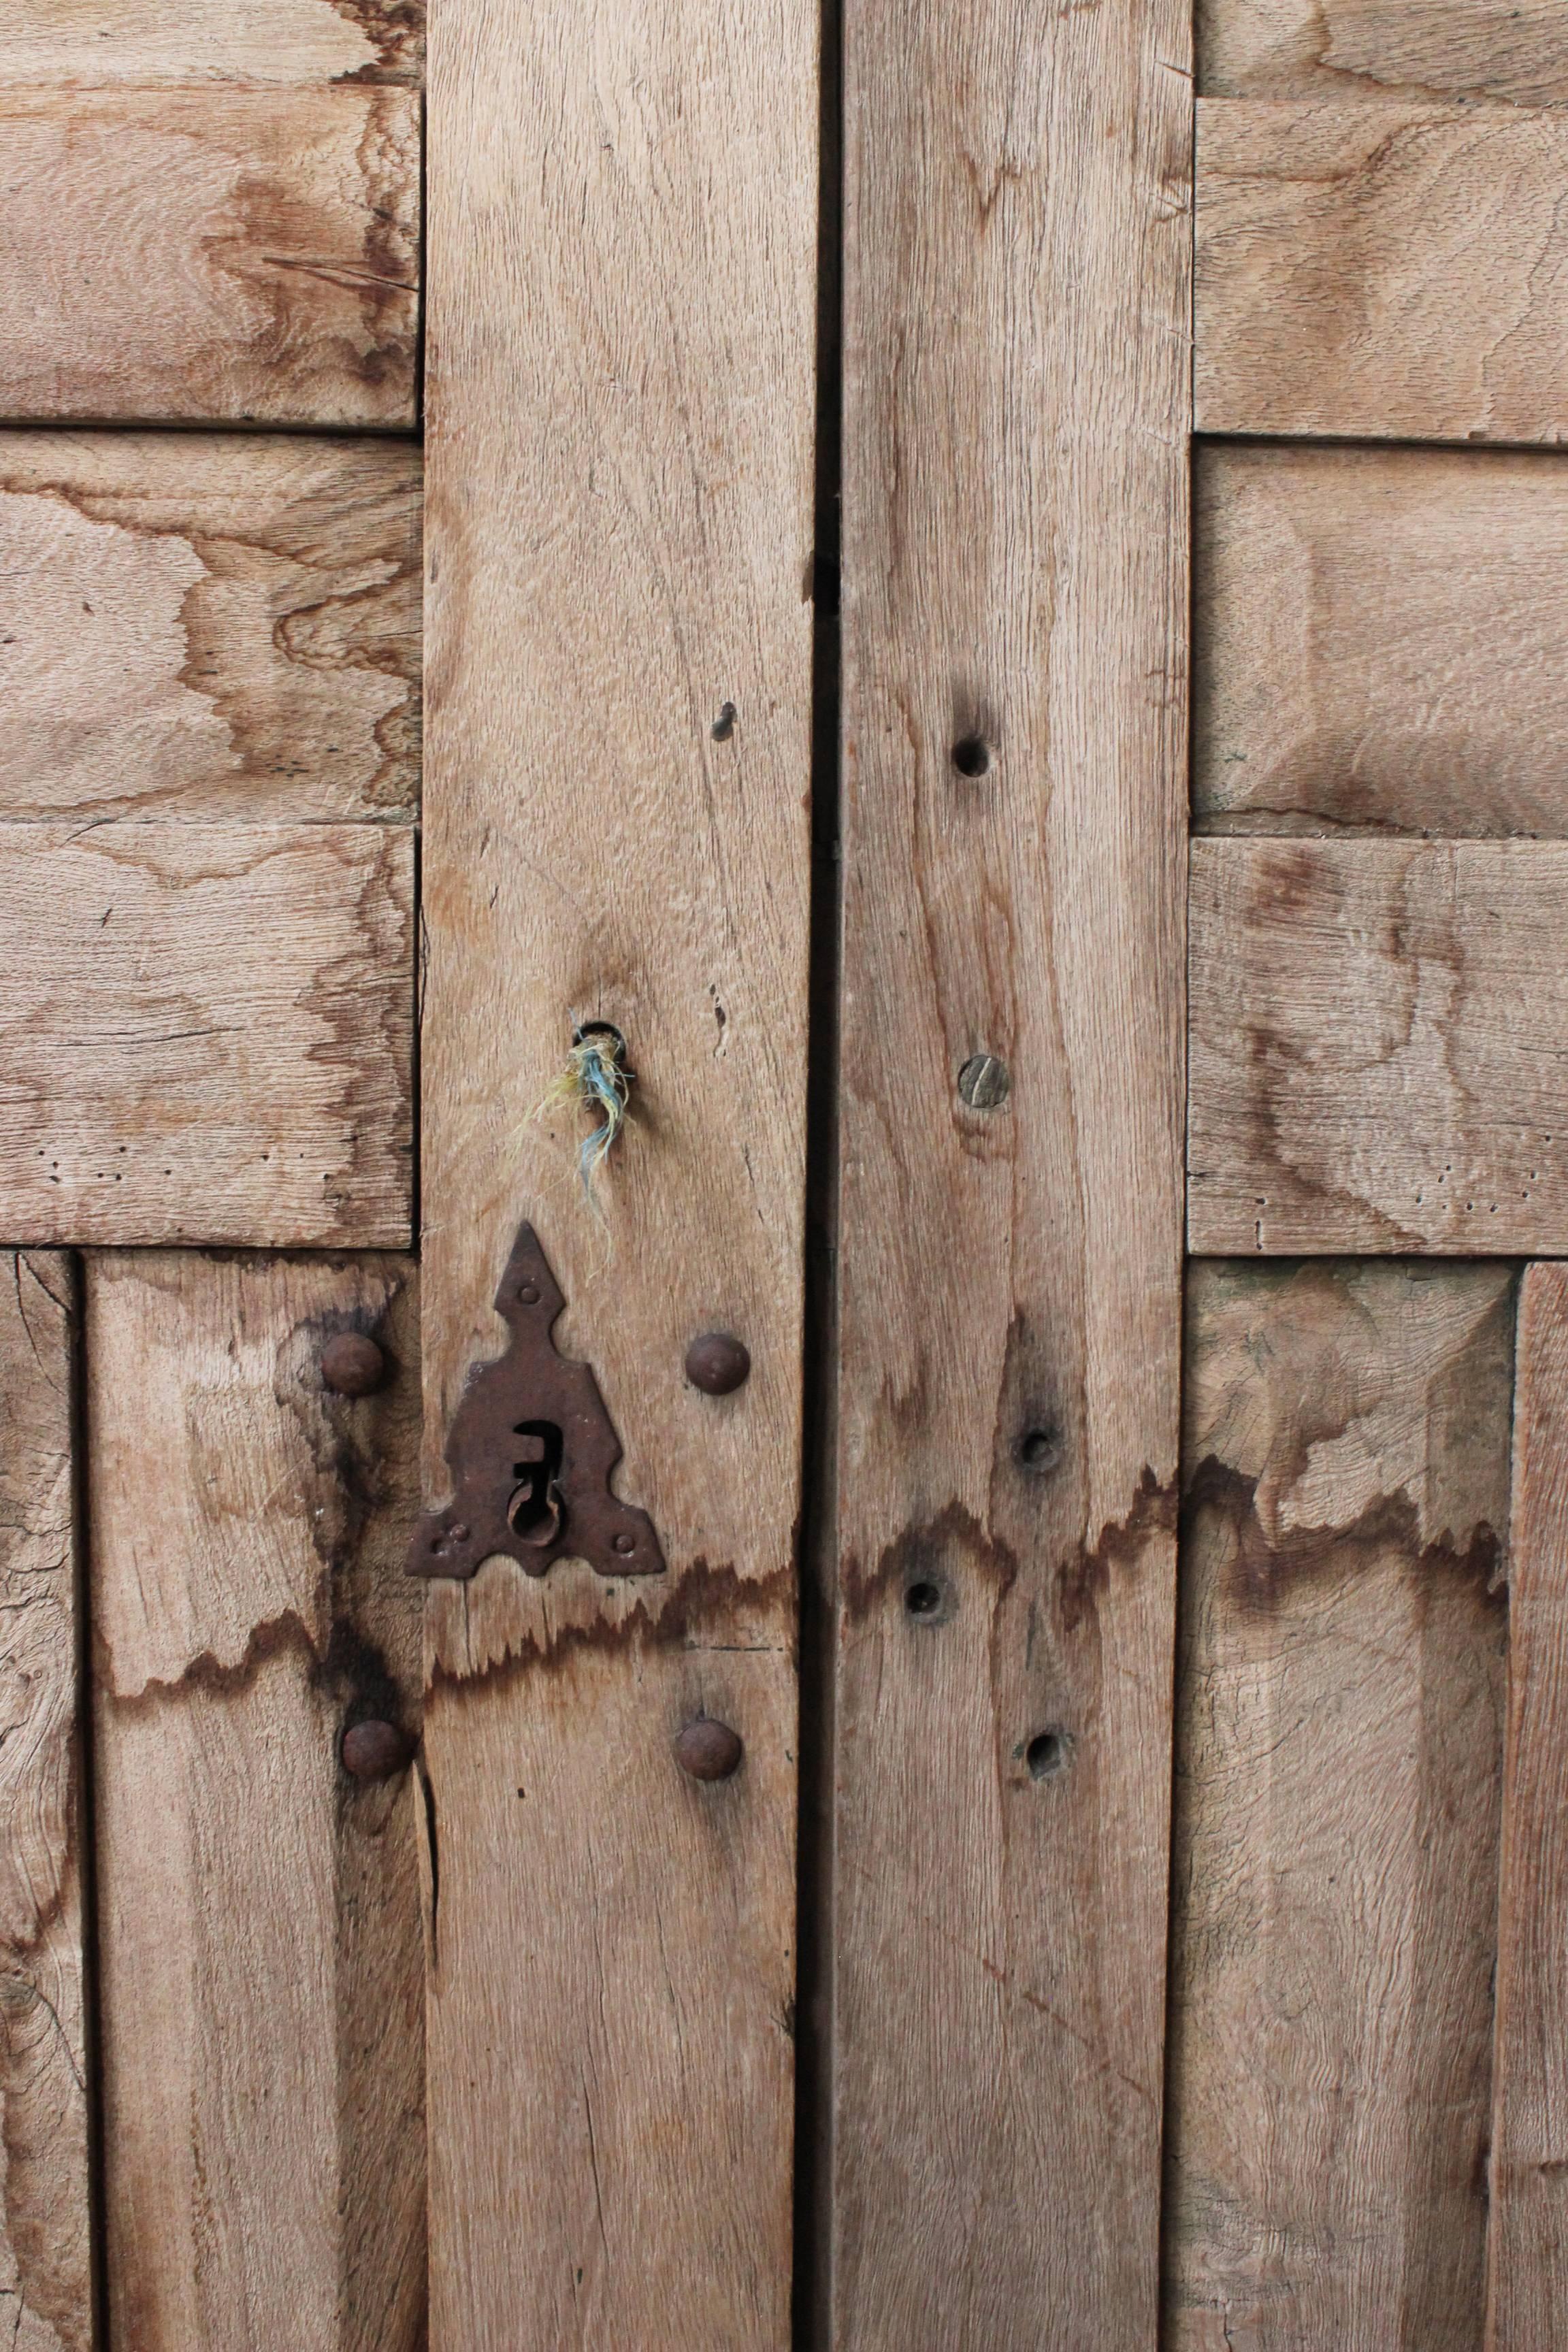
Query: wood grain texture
618	530
1378	1038
1528	2244
205	1034
46	2285
1014	541
261	1950
80	44
1393	271
208	626
1340	1712
231	256
1383	48
1377	641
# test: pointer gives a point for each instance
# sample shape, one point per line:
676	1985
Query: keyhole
536	1513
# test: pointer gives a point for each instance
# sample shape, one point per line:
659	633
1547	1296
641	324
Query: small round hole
1039	1449
723	727
1046	1755
922	1599
972	755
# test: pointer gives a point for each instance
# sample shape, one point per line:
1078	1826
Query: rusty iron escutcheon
531	1450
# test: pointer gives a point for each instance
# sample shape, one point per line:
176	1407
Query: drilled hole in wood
922	1599
972	755
1046	1755
1041	1448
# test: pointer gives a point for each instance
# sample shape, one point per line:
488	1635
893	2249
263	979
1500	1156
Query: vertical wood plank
1340	1704
1014	597
1527	2302
46	2292
259	1929
619	533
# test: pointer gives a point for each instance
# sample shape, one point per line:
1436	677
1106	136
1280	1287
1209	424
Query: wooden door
782	1486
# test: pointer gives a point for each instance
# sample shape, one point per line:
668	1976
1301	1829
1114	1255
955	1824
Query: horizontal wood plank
1392	271
261	1950
1339	1751
83	44
210	255
1377	641
208	626
1379	1047
205	1034
1383	48
46	2262
1528	2247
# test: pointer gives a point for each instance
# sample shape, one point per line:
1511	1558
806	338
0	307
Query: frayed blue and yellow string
595	1077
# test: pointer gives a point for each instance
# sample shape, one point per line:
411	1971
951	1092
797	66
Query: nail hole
1040	1449
725	725
972	755
922	1600
1046	1755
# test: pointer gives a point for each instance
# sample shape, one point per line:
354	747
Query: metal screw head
375	1751
717	1362
353	1365
709	1751
983	1082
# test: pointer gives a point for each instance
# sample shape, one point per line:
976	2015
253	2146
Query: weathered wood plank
1377	641
205	1034
1395	271
232	255
1528	2244
208	626
1378	1041
46	2283
259	1929
1340	1695
1015	603
81	44
1383	48
618	530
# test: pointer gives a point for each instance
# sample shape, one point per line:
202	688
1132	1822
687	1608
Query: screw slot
1046	1755
972	755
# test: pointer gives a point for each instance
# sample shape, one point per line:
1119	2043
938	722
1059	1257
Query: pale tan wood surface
258	1911
1015	515
1340	1708
45	2288
1378	1046
1528	2244
87	43
208	626
206	1033
618	530
1393	271
1383	48
1377	641
179	256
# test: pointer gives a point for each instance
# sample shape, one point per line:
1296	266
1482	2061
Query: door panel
260	1986
619	533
